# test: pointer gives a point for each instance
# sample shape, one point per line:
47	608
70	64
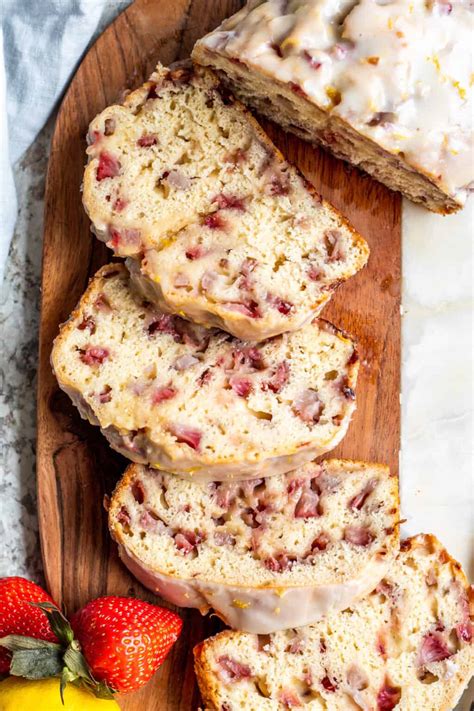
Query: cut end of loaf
339	90
181	151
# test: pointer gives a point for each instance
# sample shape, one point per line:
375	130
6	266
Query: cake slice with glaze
258	268
264	554
200	402
224	230
407	646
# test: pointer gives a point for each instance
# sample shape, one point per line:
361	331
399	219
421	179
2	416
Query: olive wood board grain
75	467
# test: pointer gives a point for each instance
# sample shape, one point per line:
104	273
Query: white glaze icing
410	59
253	609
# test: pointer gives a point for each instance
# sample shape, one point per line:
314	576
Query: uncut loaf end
387	86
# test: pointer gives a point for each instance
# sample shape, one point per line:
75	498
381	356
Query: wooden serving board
76	468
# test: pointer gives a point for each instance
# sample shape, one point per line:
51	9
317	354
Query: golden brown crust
206	679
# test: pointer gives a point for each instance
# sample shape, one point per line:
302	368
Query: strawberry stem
38	659
57	621
75	662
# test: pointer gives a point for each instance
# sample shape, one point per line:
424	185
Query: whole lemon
18	694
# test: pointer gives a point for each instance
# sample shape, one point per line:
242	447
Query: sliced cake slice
175	149
265	554
407	646
199	402
242	240
255	267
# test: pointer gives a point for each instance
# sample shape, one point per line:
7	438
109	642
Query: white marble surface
19	318
437	485
437	410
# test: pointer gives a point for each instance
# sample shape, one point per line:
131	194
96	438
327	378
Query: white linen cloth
41	44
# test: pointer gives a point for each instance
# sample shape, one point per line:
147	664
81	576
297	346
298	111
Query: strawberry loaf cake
255	271
265	554
385	85
223	231
200	402
407	646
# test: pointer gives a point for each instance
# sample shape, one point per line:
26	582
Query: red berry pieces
433	649
186	435
229	202
308	505
187	541
328	684
231	670
147	141
358	535
109	167
241	386
214	221
93	355
89	323
195	252
279	378
163	393
388	697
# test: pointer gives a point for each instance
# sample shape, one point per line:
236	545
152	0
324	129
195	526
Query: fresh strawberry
119	644
18	617
124	640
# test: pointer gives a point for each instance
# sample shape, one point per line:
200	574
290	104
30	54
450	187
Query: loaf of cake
265	554
407	646
385	85
199	402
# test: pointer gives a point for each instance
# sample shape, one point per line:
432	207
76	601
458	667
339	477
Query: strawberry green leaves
33	658
39	659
